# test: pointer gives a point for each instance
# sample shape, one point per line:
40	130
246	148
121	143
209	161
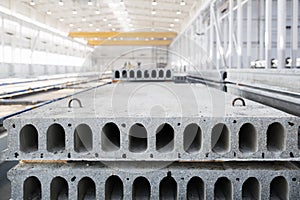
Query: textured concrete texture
143	74
154	122
145	181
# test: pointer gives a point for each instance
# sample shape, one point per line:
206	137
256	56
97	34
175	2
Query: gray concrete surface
148	181
154	122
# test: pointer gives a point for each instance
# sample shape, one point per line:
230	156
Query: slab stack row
154	140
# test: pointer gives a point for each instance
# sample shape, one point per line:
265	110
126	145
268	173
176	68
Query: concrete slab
152	181
154	122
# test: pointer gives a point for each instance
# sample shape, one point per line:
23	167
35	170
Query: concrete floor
4	182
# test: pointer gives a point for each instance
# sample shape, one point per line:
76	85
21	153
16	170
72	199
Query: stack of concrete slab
139	74
154	140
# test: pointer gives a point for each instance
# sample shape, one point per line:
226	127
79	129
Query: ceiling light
71	25
49	12
132	29
83	19
147	39
61	19
97	12
32	3
152	38
109	25
74	12
90	3
61	3
97	29
165	38
78	29
104	19
109	38
172	25
178	12
121	38
154	2
115	39
131	25
90	25
113	29
170	29
176	20
137	38
128	19
153	12
182	3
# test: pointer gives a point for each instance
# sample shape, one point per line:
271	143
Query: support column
268	33
240	34
261	29
281	39
211	36
295	33
230	39
249	32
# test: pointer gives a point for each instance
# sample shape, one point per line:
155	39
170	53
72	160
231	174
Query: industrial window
114	188
165	138
110	137
279	188
195	189
59	188
168	188
247	138
32	188
141	188
275	137
192	137
223	189
55	138
251	189
28	139
86	189
83	138
138	138
220	139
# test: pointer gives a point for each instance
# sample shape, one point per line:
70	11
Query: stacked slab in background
165	124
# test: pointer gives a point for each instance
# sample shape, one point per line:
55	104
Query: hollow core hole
59	189
161	74
137	138
165	138
220	139
117	74
83	138
86	189
110	137
275	137
192	138
131	74
32	188
195	189
251	189
139	74
28	139
153	74
279	188
113	188
141	189
55	138
247	138
168	189
223	189
168	74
